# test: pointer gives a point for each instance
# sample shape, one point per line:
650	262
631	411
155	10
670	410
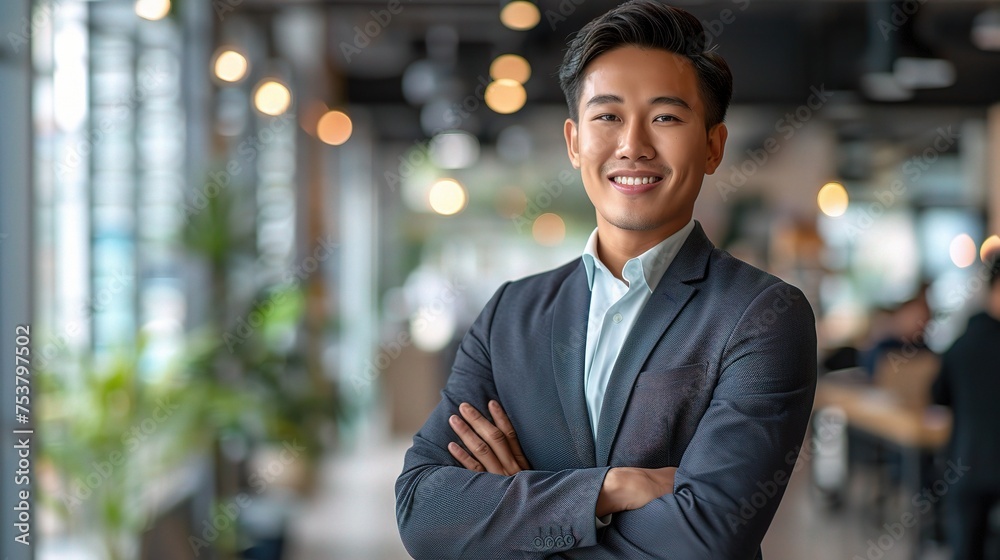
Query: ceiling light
505	96
833	199
520	15
447	197
334	128
230	66
510	66
152	9
272	97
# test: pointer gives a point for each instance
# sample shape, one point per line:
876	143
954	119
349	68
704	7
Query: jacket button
549	542
538	543
570	540
560	541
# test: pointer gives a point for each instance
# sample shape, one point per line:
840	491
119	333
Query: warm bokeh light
272	98
505	96
152	9
962	250
230	66
990	249
833	199
511	67
334	128
447	197
549	229
520	15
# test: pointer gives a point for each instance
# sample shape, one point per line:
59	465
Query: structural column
16	244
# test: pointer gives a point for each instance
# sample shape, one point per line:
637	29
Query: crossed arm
445	510
495	449
488	503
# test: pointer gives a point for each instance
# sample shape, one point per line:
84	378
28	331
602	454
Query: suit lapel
666	301
569	344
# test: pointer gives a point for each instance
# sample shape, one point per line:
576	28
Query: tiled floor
804	528
352	517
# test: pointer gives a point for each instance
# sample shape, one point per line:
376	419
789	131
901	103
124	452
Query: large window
110	132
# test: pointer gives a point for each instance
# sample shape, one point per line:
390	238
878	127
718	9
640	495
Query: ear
716	147
572	142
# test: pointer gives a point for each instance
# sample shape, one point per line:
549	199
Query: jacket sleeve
735	469
444	510
941	389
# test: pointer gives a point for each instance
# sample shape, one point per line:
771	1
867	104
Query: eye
606	118
666	118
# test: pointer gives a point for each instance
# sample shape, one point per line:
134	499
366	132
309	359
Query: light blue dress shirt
614	306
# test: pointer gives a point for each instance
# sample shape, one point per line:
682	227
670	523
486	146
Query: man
969	383
649	399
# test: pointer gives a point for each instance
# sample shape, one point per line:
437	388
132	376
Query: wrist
604	497
611	498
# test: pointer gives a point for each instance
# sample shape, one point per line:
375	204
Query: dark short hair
649	24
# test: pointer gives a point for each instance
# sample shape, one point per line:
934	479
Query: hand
494	448
628	488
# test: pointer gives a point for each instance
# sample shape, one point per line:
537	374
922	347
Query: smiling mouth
635	184
627	181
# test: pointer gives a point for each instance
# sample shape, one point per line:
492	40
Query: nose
634	143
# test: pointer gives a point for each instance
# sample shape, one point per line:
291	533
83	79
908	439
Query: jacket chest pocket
662	413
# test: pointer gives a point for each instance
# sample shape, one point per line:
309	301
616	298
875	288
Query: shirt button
617	318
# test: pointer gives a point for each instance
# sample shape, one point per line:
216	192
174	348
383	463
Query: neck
615	246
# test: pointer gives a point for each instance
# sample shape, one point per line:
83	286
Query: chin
634	223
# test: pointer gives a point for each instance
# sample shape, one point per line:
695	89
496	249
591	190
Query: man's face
640	143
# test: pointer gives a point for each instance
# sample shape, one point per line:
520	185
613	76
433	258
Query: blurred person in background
969	383
901	327
649	399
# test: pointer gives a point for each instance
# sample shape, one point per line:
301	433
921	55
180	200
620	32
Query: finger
464	458
493	437
476	446
505	426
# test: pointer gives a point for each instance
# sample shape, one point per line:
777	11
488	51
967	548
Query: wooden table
877	412
881	414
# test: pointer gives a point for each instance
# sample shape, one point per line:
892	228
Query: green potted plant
110	428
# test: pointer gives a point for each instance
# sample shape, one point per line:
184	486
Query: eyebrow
607	98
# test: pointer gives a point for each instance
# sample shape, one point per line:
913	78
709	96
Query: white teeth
635	180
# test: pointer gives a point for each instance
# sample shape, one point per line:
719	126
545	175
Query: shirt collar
652	264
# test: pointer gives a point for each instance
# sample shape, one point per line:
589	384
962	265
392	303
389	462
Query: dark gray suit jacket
717	378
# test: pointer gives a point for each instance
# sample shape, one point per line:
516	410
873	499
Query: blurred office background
248	235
